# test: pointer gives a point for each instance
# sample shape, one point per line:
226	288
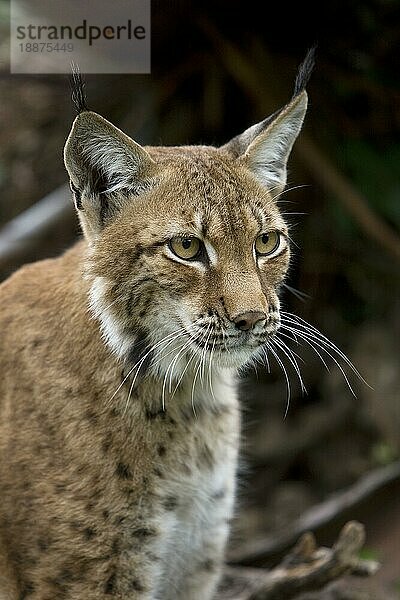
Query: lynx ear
106	168
265	147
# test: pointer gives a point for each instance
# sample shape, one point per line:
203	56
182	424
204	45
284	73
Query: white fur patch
117	339
197	529
212	253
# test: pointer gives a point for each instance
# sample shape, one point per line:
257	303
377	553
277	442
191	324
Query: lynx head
187	246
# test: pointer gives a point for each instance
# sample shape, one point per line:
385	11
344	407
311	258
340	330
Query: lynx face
187	245
197	262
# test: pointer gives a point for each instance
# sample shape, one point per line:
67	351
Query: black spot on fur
208	565
92	416
123	471
66	575
220	494
43	543
136	586
109	587
119	520
30	560
28	589
115	546
89	533
106	514
223	305
137	300
138	351
158	473
93	502
170	503
59	488
81	469
151	415
62	582
144	532
161	450
106	445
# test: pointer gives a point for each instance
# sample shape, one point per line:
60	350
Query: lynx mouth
233	352
242	344
231	343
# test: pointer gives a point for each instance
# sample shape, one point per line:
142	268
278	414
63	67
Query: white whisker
172	366
210	372
139	362
282	366
292	359
192	339
305	326
166	341
298	343
209	330
198	369
316	342
290	189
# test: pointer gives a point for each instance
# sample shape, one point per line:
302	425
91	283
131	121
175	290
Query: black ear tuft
304	72
78	89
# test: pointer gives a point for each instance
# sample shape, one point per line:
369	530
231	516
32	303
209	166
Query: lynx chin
119	417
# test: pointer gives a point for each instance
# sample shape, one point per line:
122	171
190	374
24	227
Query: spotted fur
119	420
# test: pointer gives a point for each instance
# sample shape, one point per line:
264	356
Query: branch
305	568
318	515
23	234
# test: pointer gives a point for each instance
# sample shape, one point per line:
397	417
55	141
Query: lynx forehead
119	419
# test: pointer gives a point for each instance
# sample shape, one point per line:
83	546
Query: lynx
119	416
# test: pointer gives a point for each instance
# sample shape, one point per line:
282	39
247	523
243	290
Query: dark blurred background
218	67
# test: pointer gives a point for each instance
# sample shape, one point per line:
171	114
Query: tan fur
118	482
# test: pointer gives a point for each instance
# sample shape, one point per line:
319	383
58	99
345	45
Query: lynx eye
268	243
185	247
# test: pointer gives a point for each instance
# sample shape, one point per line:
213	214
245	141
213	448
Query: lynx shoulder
119	419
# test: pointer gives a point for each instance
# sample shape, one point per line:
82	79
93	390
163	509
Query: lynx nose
247	320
